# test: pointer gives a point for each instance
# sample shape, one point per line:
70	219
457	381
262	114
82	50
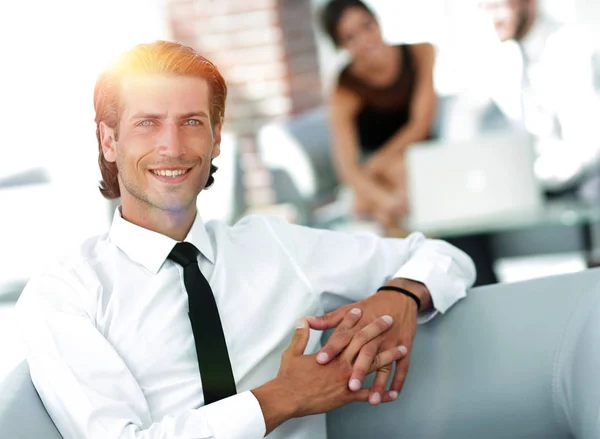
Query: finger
341	336
382	363
378	387
363	363
327	321
365	335
387	357
299	339
389	396
400	374
360	396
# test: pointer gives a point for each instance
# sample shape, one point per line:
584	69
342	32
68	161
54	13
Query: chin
177	206
504	34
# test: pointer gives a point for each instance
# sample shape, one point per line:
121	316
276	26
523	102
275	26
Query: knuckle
370	350
377	362
325	318
341	332
333	342
362	336
342	338
386	368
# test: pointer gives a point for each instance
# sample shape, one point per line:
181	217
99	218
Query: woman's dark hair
331	14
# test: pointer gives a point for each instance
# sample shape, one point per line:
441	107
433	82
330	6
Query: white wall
51	53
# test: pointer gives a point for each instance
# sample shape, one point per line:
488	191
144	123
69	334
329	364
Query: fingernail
393	395
375	398
403	350
355	311
355	384
322	357
387	319
301	324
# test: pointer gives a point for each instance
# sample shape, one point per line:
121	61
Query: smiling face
163	143
359	33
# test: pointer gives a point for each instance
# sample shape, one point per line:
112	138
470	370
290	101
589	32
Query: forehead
495	4
164	94
352	16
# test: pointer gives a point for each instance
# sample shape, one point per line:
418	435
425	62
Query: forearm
276	404
414	131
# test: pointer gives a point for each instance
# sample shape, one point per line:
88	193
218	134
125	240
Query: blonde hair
159	57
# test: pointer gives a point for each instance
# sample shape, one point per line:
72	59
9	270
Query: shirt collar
150	249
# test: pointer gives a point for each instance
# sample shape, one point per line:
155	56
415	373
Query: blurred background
276	154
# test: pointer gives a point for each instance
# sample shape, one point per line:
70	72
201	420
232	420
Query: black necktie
213	358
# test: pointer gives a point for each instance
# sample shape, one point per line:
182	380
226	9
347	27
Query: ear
108	142
217	140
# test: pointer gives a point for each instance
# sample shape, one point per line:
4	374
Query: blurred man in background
541	77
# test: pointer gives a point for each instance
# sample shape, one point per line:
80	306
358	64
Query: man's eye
193	122
146	123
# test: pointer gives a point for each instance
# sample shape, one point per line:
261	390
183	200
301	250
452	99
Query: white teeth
169	172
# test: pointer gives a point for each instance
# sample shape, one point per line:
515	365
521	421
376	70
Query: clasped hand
352	325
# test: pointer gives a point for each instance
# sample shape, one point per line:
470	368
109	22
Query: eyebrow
162	116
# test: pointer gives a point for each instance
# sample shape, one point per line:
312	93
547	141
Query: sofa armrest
509	361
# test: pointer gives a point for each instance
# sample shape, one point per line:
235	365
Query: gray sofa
511	361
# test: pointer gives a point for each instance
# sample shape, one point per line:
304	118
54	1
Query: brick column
267	54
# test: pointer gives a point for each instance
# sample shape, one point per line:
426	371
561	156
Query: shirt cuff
433	273
236	417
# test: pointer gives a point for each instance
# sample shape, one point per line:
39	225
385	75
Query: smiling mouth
170	172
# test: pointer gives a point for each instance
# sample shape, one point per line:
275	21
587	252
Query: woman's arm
344	105
422	108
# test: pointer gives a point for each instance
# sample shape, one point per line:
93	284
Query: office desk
555	215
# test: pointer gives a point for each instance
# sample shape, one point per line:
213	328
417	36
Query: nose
169	141
361	39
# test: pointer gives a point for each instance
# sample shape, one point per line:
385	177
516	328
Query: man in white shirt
112	335
540	74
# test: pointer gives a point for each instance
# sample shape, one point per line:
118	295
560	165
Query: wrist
417	288
276	403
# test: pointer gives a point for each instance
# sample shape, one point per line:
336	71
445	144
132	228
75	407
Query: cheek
134	150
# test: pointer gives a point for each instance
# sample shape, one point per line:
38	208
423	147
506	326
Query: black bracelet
402	291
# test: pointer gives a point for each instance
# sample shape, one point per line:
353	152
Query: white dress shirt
109	341
545	84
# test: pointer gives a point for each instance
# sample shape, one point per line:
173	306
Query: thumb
327	321
299	339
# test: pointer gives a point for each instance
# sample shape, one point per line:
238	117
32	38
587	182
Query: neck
174	224
526	27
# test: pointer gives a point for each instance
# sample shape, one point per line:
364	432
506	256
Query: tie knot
184	253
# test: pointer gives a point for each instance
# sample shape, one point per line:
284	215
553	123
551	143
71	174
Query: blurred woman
383	101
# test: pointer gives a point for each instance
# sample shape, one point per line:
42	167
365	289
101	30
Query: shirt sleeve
354	266
88	389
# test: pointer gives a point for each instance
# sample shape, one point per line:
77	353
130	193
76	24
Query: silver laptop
471	181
